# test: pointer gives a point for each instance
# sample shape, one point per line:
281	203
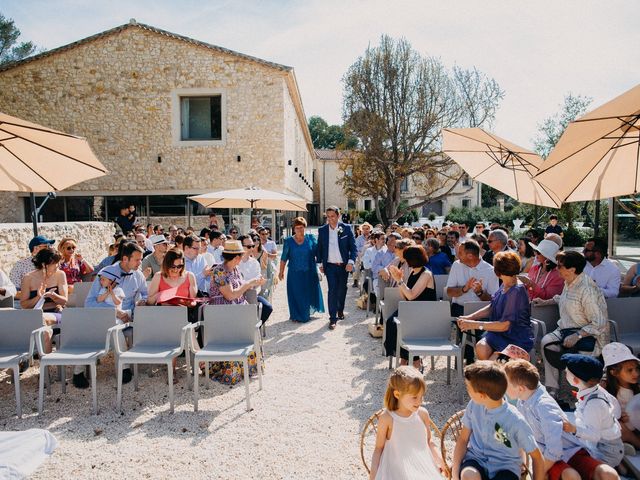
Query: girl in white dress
404	447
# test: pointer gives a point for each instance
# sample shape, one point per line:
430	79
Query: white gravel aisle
320	387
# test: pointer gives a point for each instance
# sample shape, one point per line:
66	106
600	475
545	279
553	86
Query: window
367	204
404	186
201	118
466	203
466	181
167	205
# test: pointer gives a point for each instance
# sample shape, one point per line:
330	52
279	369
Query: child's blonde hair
405	380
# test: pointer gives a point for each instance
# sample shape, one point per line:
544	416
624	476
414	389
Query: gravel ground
319	389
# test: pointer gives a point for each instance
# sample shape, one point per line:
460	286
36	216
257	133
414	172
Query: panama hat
547	249
233	246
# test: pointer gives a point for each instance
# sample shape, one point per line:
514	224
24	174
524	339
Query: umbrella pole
34	214
596	227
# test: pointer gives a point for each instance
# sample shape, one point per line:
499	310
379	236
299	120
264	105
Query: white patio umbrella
496	162
251	197
598	155
34	158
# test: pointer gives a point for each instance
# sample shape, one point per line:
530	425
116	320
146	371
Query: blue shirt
381	260
497	435
132	283
360	241
545	417
439	263
196	266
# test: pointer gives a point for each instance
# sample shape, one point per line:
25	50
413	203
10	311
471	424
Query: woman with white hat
543	279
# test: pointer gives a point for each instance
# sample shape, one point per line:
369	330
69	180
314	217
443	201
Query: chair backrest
471	307
86	327
425	319
6	302
624	311
252	296
229	324
441	284
79	294
16	327
549	314
392	297
159	325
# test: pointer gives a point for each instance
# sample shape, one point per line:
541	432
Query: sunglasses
233	233
177	267
70	247
249	246
416	238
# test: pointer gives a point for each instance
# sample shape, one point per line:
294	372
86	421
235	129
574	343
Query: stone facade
119	90
93	239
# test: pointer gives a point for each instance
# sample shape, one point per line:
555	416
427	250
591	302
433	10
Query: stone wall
93	239
117	91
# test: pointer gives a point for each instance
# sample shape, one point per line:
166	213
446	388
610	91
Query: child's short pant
582	462
500	475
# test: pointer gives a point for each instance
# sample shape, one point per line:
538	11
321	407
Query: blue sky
537	51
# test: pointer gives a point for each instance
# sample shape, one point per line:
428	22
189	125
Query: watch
481	327
463	290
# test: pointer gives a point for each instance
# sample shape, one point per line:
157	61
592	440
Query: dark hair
571	259
44	257
506	263
179	239
523	373
611	382
169	257
128	249
488	378
481	239
230	256
528	251
415	256
243	237
215	235
332	208
205	232
455	233
433	243
600	246
419	233
553	217
189	240
471	246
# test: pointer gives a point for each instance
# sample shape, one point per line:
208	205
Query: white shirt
270	246
596	419
334	248
250	269
7	285
607	277
369	255
460	275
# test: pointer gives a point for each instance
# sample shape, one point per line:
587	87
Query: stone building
169	116
465	194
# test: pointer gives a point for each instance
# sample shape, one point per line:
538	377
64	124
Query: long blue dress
514	307
303	287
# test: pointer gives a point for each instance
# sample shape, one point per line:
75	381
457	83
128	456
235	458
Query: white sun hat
615	352
547	249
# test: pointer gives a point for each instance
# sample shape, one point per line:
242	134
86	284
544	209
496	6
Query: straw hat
233	246
547	249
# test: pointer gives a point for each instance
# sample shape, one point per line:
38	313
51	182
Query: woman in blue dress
509	312
303	286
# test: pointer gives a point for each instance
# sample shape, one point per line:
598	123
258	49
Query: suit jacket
346	243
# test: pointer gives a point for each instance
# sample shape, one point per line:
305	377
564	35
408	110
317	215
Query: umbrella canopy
498	163
38	159
251	197
598	155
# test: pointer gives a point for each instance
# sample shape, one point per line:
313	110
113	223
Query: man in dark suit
337	253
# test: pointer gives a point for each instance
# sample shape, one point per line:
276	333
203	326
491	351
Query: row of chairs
160	334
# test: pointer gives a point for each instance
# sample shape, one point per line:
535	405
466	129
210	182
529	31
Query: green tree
10	50
324	135
395	102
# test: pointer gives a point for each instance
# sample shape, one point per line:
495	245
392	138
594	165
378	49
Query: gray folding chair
158	338
389	305
539	331
424	329
548	314
441	286
252	297
468	309
623	317
7	302
230	333
84	339
16	343
79	294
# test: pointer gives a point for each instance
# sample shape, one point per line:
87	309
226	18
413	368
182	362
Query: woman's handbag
585	344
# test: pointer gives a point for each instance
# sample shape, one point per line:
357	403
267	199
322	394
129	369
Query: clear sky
537	50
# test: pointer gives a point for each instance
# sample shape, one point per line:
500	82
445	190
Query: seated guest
152	264
438	262
384	257
215	248
172	275
451	248
543	279
7	288
133	285
141	240
471	279
72	263
602	270
498	242
419	287
178	241
25	265
196	263
377	241
509	313
630	285
250	269
527	255
583	325
398	262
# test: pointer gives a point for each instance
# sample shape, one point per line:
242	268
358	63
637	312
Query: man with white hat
152	264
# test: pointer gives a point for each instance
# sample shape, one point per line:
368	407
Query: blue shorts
500	474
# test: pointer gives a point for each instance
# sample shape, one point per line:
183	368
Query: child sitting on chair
404	448
596	410
564	455
110	293
493	432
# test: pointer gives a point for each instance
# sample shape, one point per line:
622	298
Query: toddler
565	457
622	382
109	292
596	411
404	447
493	431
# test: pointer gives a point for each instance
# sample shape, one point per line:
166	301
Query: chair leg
433	363
390	362
94	389
119	391
47	373
16	382
170	380
461	375
196	386
44	370
448	370
206	374
62	370
260	359
135	377
246	383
